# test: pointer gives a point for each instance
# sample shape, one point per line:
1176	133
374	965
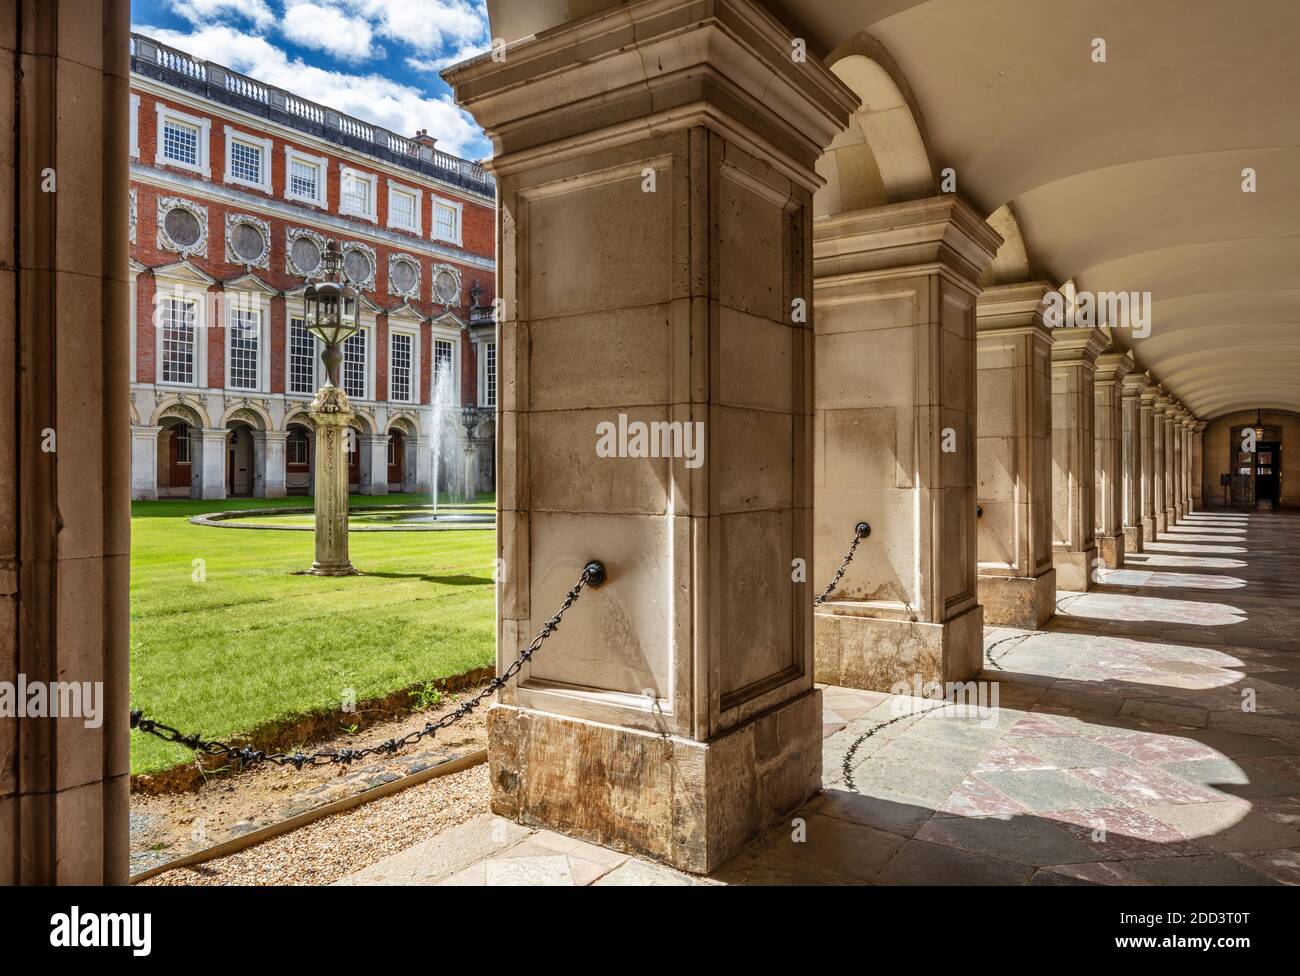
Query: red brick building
236	187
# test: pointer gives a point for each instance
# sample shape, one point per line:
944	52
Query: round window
357	265
446	287
404	276
306	255
182	226
247	242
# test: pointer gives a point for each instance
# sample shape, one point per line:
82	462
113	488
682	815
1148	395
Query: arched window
182	435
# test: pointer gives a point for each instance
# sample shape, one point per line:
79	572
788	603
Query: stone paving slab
1120	752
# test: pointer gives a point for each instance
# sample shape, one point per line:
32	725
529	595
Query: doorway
239	462
1268	474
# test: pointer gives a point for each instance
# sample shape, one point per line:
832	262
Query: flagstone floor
1150	734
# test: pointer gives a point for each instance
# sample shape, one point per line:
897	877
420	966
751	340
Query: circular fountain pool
378	518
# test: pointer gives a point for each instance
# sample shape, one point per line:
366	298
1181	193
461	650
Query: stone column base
876	653
1171	518
1162	525
1111	550
1134	538
1178	513
1026	602
1074	568
1148	530
690	804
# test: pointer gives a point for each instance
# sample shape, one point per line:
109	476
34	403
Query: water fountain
444	438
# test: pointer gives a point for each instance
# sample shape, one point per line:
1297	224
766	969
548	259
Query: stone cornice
1016	307
1078	345
911	236
1136	384
1113	367
651	66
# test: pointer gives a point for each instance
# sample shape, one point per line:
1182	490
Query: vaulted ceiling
1124	175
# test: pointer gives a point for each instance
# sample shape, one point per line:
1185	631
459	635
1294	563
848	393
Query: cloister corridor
1119	752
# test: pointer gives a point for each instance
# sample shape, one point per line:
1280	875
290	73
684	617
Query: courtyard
227	637
1149	735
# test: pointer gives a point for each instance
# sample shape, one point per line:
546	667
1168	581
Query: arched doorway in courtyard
246	460
299	453
404	447
396	458
239	460
175	459
179	448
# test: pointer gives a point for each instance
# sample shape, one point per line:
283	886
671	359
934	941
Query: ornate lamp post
330	311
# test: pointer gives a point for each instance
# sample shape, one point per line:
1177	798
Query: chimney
424	139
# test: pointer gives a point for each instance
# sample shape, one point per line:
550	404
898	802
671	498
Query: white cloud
429	26
331	30
370	97
203	12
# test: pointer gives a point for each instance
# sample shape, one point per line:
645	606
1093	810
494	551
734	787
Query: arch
301	417
364	423
174	455
884	155
251	414
174	407
407	424
299	455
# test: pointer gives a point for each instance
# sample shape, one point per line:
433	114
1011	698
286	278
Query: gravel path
323	852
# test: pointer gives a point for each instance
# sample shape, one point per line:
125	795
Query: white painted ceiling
1125	176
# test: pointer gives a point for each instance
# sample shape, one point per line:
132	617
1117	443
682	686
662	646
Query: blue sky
377	60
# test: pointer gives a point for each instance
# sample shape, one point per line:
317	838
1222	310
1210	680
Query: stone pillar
1147	432
1074	524
1108	421
144	462
331	499
1013	349
471	472
374	464
1171	465
65	514
208	462
1131	460
1176	471
1158	470
655	171
418	470
1188	423
1200	502
269	459
895	441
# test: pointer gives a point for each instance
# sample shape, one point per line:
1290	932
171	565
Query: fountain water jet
444	438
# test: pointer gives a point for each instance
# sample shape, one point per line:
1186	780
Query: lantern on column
330	312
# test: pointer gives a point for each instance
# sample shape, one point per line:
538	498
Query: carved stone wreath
353	254
132	219
248	241
403	275
299	245
182	226
446	284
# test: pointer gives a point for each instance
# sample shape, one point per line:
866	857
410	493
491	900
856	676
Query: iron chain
593	574
860	532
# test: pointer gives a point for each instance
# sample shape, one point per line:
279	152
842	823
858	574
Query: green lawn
252	642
